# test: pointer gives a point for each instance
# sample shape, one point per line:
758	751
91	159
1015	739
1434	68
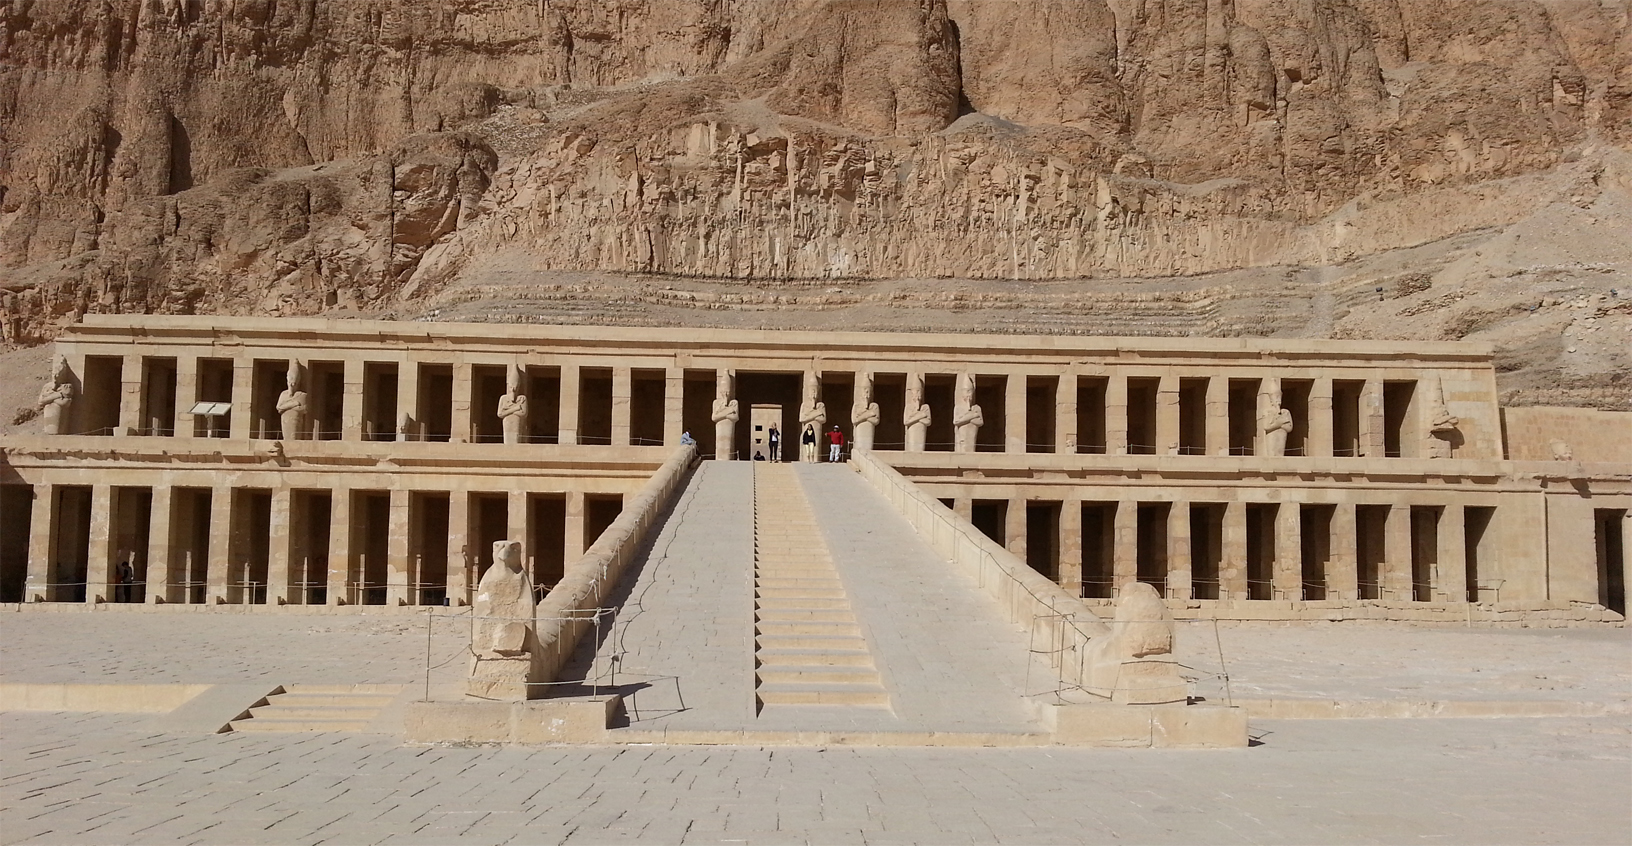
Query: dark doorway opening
1043	538
1098	549
990	516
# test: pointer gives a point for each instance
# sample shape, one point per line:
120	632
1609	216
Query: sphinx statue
968	418
504	637
1134	664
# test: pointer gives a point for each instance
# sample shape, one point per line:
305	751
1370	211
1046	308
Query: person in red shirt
835	444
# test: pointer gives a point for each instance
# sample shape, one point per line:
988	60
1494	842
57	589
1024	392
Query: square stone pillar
674	406
574	532
159	575
964	507
340	546
1065	416
1371	419
1116	415
99	564
217	558
1232	565
240	423
1014	527
516	525
186	396
1317	442
1396	575
280	548
1179	575
1125	553
1014	413
1451	578
1287	575
42	538
463	401
1218	415
622	390
568	427
459	548
351	401
397	565
1167	415
1342	569
408	402
1071	546
131	386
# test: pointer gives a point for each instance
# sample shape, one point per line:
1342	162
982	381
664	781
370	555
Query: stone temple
289	462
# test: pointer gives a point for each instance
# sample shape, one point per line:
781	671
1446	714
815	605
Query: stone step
381	689
818	694
255	723
796	576
802	602
277	711
330	700
815	615
830	675
816	657
811	642
774	628
798	592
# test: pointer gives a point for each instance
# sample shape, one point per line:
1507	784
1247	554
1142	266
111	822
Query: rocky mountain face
424	157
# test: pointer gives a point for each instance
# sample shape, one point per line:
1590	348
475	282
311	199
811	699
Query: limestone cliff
299	156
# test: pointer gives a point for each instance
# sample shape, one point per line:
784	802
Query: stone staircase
317	707
809	649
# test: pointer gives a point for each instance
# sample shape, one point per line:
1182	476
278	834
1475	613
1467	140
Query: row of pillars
226	545
1244	550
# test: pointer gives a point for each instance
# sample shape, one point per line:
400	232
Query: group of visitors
807	445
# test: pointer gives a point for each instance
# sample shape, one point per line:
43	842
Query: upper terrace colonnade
373	462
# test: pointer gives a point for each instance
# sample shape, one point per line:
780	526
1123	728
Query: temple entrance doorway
761	419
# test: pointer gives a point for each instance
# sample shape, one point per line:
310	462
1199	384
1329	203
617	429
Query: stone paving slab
107	778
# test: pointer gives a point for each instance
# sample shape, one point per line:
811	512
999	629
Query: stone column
131	385
574	541
1071	546
864	414
568	425
516	526
1065	415
1371	419
1116	415
158	547
1396	575
458	547
463	430
1167	415
218	557
1179	576
397	566
186	396
240	422
1218	415
1342	569
1014	413
408	402
1232	565
1317	442
99	559
1269	393
964	507
280	548
674	406
1451	578
1287	576
351	401
42	536
1014	527
340	546
916	431
725	412
1125	554
622	391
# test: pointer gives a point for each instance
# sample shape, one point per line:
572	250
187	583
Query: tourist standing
807	445
774	437
835	445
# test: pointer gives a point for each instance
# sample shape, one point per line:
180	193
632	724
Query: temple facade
291	462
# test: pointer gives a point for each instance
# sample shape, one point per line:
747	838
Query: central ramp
810	650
